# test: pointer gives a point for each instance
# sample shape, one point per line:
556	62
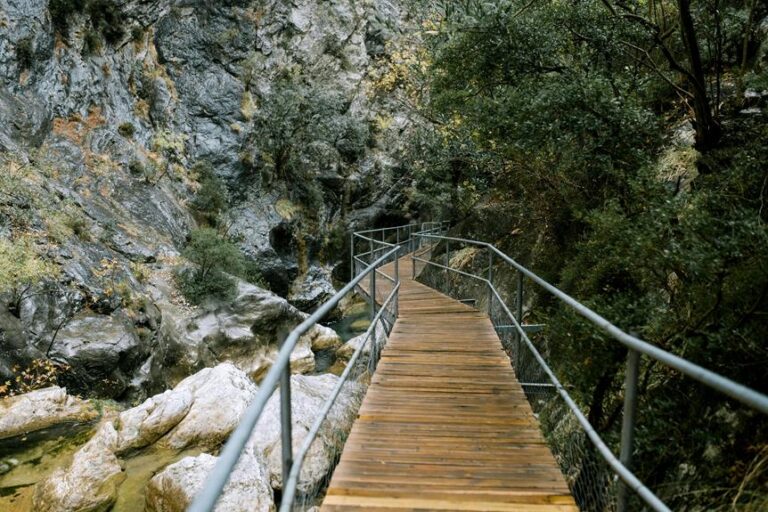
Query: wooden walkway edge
445	424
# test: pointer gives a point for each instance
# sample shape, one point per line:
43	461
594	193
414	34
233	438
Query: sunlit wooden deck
445	424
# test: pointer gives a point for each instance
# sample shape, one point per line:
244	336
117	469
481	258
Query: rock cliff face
106	108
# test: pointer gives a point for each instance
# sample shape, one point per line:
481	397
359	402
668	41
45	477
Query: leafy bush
61	10
105	17
137	168
25	53
302	131
91	42
41	373
212	197
213	256
126	129
252	274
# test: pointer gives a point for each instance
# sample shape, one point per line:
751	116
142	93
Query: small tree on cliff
213	255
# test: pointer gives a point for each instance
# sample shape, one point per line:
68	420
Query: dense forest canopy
615	148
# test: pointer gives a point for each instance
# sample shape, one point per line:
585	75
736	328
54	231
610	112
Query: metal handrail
289	489
205	501
635	345
375	246
714	380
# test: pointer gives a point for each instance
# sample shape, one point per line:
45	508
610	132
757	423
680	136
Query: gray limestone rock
248	490
41	409
308	394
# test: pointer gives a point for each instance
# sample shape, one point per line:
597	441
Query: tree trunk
707	128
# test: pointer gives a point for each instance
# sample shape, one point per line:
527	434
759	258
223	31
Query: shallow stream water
33	458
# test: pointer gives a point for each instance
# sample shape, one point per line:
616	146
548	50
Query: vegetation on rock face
211	198
214	257
105	18
302	131
22	267
546	136
41	373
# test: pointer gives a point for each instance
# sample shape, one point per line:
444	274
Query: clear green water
355	321
35	457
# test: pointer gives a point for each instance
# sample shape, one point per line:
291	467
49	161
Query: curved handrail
714	380
205	501
743	394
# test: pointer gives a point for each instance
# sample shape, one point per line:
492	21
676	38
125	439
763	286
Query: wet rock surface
89	482
42	409
201	411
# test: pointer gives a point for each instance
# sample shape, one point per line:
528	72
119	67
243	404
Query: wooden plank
445	425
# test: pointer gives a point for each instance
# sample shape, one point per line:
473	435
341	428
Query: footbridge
458	396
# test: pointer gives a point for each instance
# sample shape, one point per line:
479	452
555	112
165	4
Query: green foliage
126	129
21	265
106	20
251	272
211	198
25	53
303	131
61	10
136	167
170	144
213	256
91	42
137	33
548	121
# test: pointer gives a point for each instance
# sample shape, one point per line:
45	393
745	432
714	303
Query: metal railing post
285	419
628	422
373	293
447	255
490	281
352	256
370	249
397	266
519	300
397	280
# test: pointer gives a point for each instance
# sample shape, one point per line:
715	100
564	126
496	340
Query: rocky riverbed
154	456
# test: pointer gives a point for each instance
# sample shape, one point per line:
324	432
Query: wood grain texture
445	425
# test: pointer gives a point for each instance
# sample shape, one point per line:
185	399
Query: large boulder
89	483
308	395
220	395
248	490
102	351
41	409
201	411
312	289
148	422
377	339
246	331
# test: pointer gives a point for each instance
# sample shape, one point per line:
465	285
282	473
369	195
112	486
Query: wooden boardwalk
445	424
